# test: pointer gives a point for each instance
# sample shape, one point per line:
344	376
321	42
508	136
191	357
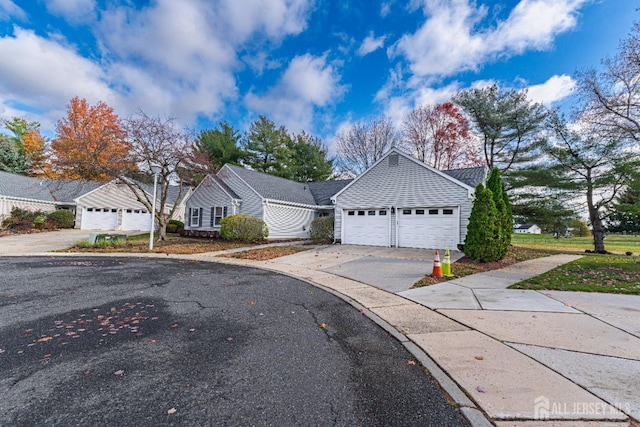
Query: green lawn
613	243
591	273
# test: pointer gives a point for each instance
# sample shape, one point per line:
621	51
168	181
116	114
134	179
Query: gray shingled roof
24	187
469	176
323	191
65	190
275	188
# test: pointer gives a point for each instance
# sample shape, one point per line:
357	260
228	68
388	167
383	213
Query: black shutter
213	216
224	212
189	218
200	219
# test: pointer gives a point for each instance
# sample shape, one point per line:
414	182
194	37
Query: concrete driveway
29	244
390	269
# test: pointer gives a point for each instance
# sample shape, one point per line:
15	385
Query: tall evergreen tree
219	146
267	148
501	200
481	243
309	160
624	213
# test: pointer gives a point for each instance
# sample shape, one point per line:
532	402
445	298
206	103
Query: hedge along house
287	207
402	202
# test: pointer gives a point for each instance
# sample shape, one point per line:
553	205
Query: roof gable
24	187
395	150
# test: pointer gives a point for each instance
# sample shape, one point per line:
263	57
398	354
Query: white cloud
308	82
9	9
74	11
276	18
553	90
451	39
46	74
371	44
385	8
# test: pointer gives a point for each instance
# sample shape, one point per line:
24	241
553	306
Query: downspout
389	213
397	216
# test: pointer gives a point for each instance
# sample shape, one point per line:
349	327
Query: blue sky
317	66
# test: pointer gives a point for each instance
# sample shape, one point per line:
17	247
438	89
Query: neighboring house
18	191
96	205
402	202
527	229
114	206
287	207
398	202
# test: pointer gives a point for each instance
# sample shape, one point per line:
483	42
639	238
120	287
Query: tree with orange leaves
90	143
33	146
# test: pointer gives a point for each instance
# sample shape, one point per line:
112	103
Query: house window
447	211
433	211
195	217
360	213
406	211
219	213
382	213
89	209
419	211
351	213
371	213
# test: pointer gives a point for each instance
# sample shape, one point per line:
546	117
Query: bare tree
363	144
439	136
154	140
613	95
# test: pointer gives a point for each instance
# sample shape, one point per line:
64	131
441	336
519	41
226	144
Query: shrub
243	227
321	230
175	226
62	218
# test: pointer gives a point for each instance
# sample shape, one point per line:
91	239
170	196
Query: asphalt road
148	342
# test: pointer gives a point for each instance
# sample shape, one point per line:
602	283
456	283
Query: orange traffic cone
437	268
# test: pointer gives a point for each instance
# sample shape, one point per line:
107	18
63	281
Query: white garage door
429	228
136	219
366	227
99	219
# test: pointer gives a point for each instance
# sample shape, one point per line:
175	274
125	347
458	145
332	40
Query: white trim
24	199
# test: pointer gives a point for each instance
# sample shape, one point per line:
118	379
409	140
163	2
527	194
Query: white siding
7	204
251	201
406	184
206	196
109	196
288	222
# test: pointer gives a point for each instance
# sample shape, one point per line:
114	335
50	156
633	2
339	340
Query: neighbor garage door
136	219
430	228
99	219
366	227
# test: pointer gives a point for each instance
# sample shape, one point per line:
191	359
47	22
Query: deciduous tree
153	140
612	95
90	143
439	136
363	144
507	122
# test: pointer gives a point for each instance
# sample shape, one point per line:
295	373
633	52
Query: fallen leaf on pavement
481	389
411	362
479	358
252	303
45	339
230	339
119	372
171	411
323	325
175	325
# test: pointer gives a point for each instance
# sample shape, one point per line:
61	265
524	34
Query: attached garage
367	227
425	207
135	219
99	219
428	227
